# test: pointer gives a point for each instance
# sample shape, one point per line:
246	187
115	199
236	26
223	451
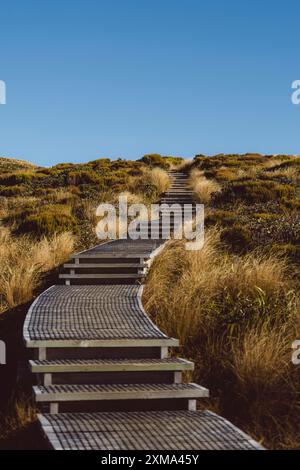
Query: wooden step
117	255
182	431
161	394
102	276
104	265
179	210
103	343
118	392
110	371
177	200
113	365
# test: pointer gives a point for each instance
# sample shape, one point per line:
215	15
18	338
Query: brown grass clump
250	172
290	172
160	179
150	184
22	414
236	317
253	191
131	197
23	261
225	174
203	188
271	163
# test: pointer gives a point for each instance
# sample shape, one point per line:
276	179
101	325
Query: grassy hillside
235	304
8	165
43	201
45	215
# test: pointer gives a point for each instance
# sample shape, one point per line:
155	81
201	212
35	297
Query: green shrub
293	161
100	163
289	250
225	174
76	178
238	238
48	221
224	218
256	191
91	191
293	204
147	188
17	178
155	160
265	216
8	165
11	191
174	160
200	156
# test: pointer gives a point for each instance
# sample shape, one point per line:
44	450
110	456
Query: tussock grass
185	165
23	261
20	413
131	197
271	163
290	172
250	172
236	317
23	413
203	188
160	179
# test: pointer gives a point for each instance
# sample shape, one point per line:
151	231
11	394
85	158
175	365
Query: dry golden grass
3	207
183	166
131	197
203	188
292	173
250	172
271	163
24	413
160	179
51	253
236	317
23	261
21	413
261	356
186	287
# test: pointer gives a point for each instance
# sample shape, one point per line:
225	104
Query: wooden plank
151	430
111	366
104	265
101	276
119	254
63	393
106	343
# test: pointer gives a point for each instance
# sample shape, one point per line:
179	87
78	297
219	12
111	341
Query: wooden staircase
127	261
94	348
99	362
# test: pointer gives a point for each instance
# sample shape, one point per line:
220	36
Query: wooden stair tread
102	276
104	265
144	430
90	315
98	365
117	392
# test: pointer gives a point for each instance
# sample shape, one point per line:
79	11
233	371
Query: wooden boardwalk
104	376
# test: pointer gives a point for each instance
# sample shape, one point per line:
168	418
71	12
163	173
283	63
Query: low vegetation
236	316
235	304
23	262
44	201
203	188
45	215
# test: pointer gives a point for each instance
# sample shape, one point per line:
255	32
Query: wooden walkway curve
104	376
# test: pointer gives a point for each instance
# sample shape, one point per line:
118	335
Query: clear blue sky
120	78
